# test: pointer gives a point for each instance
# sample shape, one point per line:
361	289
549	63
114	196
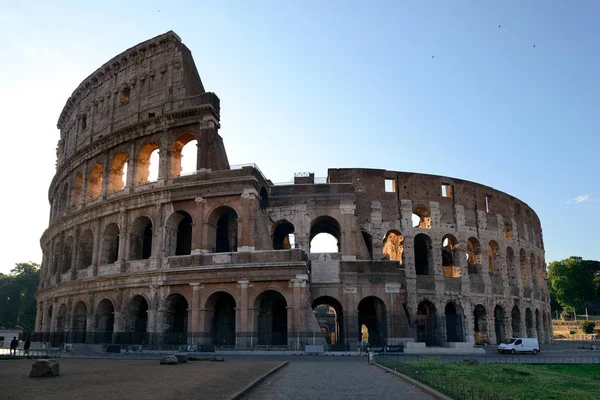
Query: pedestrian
26	347
13	346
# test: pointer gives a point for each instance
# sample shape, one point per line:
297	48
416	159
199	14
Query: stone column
96	252
90	323
198	225
242	340
38	317
54	315
195	308
74	254
347	234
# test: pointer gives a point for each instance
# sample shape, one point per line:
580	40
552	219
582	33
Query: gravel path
339	378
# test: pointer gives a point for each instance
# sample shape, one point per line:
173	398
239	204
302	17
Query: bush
587	326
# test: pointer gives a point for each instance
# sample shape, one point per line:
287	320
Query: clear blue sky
454	88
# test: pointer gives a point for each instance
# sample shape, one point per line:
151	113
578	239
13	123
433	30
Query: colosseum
140	251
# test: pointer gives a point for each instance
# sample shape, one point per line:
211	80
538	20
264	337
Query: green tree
571	282
17	291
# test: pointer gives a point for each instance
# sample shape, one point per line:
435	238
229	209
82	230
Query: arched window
283	236
94	187
110	244
473	255
68	254
450	257
147	164
118	173
223	230
494	258
184	155
77	189
86	249
179	234
423	258
141	239
421	218
325	235
393	246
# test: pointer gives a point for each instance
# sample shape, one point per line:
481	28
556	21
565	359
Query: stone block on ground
169	360
44	368
181	358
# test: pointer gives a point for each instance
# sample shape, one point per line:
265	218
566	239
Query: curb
258	380
423	387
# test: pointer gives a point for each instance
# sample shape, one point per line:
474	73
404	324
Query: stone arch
175	318
94	185
525	274
264	198
135	319
144	170
223	230
68	254
58	248
110	244
271	318
516	321
79	326
494	258
529	323
330	316
63	199
427	324
86	249
480	324
178	234
283	235
221	318
179	147
473	256
423	256
118	172
77	190
511	268
61	324
499	327
325	226
140	246
454	322
450	256
372	315
393	246
421	217
105	320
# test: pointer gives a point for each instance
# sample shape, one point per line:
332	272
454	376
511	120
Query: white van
519	345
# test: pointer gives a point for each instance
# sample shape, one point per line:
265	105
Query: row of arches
88	184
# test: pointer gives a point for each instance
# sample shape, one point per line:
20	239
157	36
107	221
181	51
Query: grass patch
545	381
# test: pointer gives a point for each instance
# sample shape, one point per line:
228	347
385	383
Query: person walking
13	346
26	347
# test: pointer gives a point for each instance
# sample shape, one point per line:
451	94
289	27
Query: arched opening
529	322
372	315
105	321
533	269
136	320
272	319
222	305
427	326
283	236
86	249
450	257
61	325
68	254
184	155
538	327
330	316
178	234
454	323
393	246
58	247
325	235
118	173
499	324
77	189
480	325
264	198
141	239
524	268
494	258
421	218
110	244
147	164
368	241
423	261
79	322
94	186
223	230
63	201
175	316
516	321
512	272
473	256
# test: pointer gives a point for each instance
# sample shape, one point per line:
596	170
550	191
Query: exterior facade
220	257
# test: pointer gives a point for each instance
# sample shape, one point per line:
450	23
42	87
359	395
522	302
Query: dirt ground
95	379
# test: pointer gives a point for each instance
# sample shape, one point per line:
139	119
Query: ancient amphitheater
221	257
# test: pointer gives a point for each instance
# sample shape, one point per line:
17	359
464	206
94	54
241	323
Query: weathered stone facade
206	257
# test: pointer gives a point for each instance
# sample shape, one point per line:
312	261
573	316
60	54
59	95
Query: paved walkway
334	378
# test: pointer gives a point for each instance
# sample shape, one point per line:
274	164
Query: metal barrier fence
491	359
449	386
35	353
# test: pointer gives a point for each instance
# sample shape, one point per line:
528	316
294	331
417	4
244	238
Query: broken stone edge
258	380
422	386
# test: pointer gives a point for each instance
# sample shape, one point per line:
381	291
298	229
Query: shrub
587	326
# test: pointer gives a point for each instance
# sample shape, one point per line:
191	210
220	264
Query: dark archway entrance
427	324
372	319
175	316
105	321
499	324
223	333
61	321
281	236
79	323
454	323
480	325
422	254
330	316
272	319
137	320
529	322
141	239
516	321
